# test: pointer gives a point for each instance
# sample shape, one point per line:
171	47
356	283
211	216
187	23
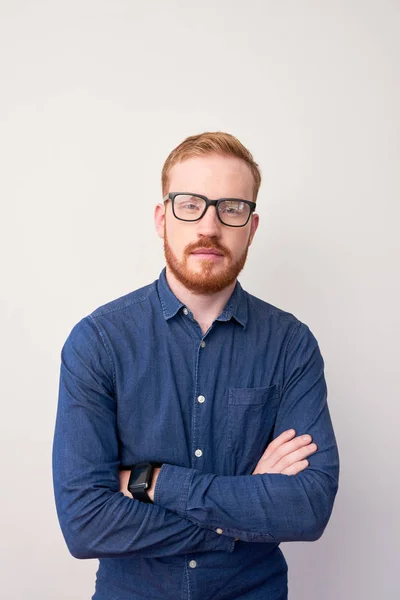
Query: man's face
214	176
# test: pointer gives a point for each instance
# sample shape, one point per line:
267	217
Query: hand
124	480
286	455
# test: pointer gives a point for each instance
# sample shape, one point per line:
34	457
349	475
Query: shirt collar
169	302
236	306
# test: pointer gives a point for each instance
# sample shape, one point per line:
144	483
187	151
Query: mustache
209	244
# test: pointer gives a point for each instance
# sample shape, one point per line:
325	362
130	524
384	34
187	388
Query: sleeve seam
292	336
102	337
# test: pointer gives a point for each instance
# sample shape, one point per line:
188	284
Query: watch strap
143	496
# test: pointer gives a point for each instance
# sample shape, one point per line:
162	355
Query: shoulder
264	310
126	301
267	315
117	312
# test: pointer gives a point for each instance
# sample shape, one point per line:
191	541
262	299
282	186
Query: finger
296	468
283	438
295	457
289	447
267	466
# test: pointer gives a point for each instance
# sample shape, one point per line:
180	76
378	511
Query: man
211	392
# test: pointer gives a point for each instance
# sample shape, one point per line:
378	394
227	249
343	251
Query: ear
159	219
253	226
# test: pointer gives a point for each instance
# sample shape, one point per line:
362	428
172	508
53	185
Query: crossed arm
283	455
267	506
271	507
286	455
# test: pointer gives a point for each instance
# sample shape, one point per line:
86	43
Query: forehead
213	175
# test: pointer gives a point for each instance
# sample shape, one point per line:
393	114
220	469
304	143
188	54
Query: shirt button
193	564
201	399
219	530
202	344
185	311
198	453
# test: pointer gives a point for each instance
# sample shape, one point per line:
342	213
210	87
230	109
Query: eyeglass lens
191	208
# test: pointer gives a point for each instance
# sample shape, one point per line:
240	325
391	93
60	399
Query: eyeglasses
233	212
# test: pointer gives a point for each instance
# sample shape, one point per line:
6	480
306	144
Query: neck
205	307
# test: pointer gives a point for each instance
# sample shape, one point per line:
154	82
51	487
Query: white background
94	95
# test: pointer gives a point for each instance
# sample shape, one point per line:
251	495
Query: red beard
210	279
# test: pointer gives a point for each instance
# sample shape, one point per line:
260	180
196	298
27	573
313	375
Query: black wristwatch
140	481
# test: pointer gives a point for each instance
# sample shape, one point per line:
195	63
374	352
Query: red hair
206	143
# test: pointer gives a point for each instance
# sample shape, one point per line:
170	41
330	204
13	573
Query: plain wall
93	96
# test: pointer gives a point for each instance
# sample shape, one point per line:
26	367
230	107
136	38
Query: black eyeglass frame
171	196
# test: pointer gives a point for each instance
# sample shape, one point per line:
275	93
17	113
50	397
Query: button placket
200	410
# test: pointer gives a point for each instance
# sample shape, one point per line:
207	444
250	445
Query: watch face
140	475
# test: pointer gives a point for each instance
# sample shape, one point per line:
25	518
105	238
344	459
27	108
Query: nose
209	225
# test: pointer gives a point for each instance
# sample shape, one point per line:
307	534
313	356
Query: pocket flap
258	395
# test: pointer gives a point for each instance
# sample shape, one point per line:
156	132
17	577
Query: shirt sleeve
96	519
270	507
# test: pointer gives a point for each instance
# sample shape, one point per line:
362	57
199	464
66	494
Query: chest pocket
250	421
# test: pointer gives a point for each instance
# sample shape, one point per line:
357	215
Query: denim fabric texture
140	382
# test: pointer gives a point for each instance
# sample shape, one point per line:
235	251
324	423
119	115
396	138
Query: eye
190	206
185	204
232	208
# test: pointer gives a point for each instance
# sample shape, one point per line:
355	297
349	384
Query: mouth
207	253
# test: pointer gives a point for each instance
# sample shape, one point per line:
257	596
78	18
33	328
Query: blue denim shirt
140	382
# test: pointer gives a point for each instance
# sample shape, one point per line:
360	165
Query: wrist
150	491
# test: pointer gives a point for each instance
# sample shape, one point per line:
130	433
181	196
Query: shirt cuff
171	492
172	488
